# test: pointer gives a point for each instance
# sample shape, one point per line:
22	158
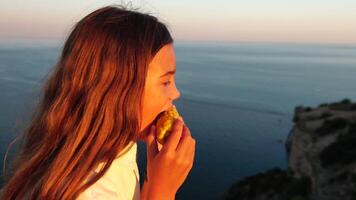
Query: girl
114	76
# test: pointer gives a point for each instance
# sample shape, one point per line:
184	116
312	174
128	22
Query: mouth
158	116
161	113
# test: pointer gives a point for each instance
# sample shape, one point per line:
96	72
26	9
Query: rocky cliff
321	149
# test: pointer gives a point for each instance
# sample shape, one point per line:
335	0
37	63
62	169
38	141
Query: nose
176	93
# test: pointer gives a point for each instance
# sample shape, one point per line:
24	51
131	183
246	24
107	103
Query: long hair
90	106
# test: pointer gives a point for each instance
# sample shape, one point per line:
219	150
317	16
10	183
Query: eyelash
167	83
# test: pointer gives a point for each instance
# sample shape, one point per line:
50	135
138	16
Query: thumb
152	149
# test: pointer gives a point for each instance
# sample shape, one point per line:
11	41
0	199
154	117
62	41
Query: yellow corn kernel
165	124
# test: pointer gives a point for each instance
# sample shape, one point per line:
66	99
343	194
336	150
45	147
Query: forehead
163	61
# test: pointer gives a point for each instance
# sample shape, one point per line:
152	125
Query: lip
159	114
171	105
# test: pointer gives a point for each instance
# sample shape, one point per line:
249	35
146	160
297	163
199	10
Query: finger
188	152
184	140
174	137
191	153
185	133
180	117
151	143
188	133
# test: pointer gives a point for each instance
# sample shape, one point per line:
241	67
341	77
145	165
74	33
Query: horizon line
61	39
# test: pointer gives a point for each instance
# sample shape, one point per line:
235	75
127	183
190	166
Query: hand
168	168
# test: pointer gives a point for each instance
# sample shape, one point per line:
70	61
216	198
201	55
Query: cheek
153	108
154	102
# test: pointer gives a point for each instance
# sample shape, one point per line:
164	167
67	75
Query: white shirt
120	182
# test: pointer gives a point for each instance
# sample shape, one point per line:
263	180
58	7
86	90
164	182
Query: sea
237	98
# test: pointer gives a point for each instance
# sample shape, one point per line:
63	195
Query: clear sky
320	21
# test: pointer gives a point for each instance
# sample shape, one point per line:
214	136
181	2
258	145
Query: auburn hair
89	107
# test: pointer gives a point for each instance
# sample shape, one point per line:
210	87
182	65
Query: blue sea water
237	98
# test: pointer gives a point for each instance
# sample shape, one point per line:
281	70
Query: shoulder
121	181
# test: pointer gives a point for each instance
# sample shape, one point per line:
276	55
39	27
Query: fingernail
181	119
177	121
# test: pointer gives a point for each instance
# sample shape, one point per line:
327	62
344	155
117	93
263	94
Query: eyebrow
168	73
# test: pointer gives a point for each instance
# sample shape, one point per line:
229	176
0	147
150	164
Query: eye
167	83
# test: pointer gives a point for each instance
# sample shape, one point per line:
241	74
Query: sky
297	21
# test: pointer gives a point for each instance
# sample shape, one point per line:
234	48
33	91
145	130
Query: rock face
275	184
321	149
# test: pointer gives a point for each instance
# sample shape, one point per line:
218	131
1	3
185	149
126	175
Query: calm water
238	100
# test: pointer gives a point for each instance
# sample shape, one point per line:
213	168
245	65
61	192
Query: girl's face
160	88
